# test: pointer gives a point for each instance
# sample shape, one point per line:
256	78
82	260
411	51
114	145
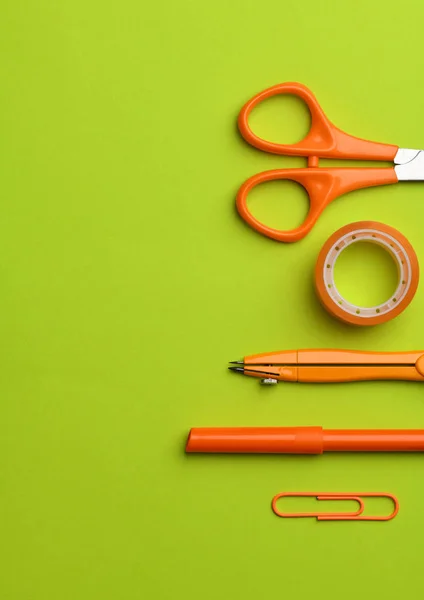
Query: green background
128	281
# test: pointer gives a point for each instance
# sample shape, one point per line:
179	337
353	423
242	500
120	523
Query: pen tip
236	369
236	362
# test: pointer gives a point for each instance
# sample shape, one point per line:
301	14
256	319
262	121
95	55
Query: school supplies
323	185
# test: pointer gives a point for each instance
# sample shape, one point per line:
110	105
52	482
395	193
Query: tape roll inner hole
366	274
390	245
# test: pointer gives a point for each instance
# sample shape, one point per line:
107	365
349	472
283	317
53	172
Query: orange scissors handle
322	187
323	140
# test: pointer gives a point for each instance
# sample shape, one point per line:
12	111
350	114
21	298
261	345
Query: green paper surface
128	281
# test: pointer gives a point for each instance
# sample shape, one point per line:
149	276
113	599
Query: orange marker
326	365
302	440
323	184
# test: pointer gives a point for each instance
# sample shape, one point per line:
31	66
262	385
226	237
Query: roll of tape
395	244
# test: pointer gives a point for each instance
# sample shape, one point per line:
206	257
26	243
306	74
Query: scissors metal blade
409	164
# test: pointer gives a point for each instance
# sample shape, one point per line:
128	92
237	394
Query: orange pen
302	440
327	365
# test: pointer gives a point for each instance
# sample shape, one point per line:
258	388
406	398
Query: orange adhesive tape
395	244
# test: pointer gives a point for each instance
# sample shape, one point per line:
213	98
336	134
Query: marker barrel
302	440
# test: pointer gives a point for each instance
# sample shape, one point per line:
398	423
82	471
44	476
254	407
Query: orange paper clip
342	516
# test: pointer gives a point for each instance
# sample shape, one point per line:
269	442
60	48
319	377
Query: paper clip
342	516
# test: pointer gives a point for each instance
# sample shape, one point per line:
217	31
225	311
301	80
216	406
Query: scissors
324	140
